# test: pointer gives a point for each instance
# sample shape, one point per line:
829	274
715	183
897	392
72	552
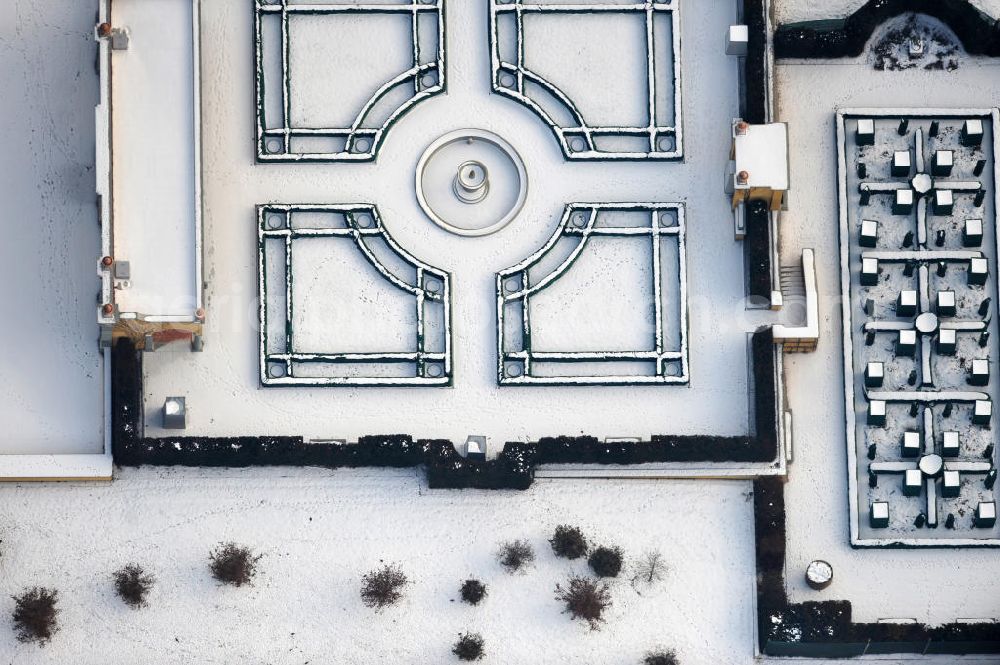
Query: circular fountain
471	182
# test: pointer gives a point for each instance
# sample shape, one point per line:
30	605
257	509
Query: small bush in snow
606	561
515	555
383	587
473	591
469	646
585	599
35	614
132	584
650	569
233	564
661	657
569	542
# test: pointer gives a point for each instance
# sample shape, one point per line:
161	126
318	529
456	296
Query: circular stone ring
471	182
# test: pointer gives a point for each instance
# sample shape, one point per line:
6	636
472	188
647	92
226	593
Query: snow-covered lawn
223	381
321	531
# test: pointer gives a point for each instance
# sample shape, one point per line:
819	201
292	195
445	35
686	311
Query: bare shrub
650	569
233	564
661	657
473	591
606	561
469	646
515	555
35	615
569	542
383	586
585	599
133	584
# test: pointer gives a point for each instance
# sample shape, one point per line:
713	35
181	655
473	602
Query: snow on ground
790	11
930	585
51	400
320	531
222	383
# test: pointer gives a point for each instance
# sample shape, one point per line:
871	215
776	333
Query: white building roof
762	151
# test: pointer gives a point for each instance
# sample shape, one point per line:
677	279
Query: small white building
760	153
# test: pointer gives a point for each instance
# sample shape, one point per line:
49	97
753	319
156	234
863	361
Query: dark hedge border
514	467
824	629
757	244
979	34
755	64
757	249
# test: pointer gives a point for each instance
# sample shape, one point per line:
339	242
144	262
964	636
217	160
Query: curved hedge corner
978	32
824	629
513	468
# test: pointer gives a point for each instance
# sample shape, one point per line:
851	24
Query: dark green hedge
513	468
979	33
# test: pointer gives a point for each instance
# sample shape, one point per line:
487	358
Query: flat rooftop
52	396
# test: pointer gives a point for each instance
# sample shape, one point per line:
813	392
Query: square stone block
911	444
944	202
913	481
946	303
865	134
869	233
982	412
906	343
902	204
906	303
949	444
979	373
972	233
174	413
979	271
947	341
876	413
944	161
737	40
951	484
878	514
972	132
901	163
475	448
986	514
874	374
869	272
